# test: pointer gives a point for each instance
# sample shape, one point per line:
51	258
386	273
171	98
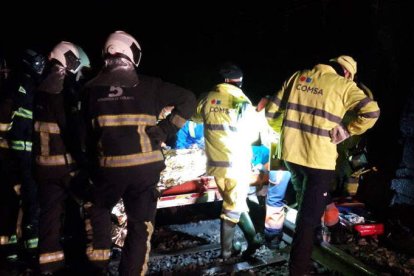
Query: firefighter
9	201
20	135
229	131
124	140
56	149
317	100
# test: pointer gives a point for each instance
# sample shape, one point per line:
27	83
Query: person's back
315	103
318	101
230	130
124	140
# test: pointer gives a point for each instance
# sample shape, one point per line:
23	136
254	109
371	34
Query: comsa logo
305	79
218	109
304	86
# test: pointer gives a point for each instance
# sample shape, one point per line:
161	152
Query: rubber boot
228	248
253	240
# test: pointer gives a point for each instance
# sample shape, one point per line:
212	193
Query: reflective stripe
362	103
131	159
144	139
234	215
21	145
46	258
13	239
307	128
126	120
44	144
178	121
150	230
98	254
25	113
4	144
4	240
191	129
22	90
224	164
47	127
315	112
220	127
5	127
54	160
32	243
374	114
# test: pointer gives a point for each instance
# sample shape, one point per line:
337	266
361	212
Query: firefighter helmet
67	54
122	43
34	61
83	58
348	63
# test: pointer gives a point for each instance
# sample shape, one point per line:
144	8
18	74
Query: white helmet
122	43
83	59
67	54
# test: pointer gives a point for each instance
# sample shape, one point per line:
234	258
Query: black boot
253	240
273	239
228	247
338	233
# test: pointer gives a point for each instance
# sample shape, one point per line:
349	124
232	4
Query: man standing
56	149
229	131
124	143
317	100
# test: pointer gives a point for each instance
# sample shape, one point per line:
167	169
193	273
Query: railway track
204	259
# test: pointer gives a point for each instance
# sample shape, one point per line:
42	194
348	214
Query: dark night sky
183	44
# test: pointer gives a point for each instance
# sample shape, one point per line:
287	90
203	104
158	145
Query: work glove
262	103
339	134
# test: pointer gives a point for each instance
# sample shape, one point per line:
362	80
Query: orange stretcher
200	190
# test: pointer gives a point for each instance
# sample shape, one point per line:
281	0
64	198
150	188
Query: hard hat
123	43
34	61
348	63
67	54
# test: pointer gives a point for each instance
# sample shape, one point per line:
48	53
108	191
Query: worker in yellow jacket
229	131
313	103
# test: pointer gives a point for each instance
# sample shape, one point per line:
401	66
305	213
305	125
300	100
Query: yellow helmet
348	63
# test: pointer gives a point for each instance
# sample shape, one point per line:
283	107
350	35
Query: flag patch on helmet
214	101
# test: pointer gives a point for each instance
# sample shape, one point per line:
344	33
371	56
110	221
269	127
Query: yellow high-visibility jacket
229	130
318	100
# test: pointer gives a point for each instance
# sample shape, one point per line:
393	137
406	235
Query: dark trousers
52	196
9	200
137	187
30	202
316	184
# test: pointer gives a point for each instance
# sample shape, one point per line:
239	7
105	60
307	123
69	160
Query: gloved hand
262	104
338	134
